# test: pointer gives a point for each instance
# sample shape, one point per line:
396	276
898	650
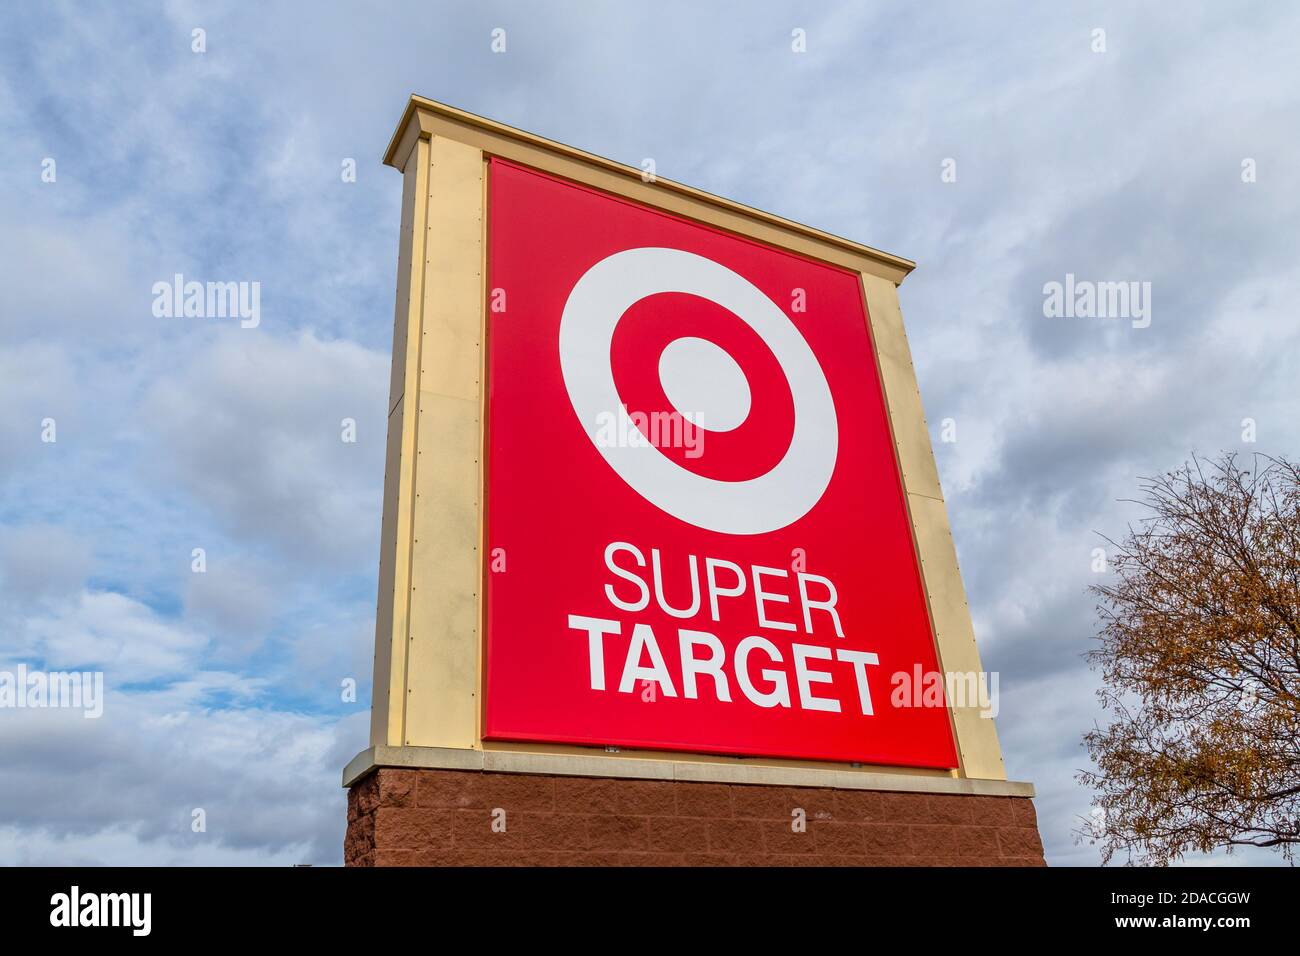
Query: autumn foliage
1199	652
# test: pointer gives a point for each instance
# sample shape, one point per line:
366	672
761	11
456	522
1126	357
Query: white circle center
704	384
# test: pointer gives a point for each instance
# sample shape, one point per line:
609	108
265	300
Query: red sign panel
697	535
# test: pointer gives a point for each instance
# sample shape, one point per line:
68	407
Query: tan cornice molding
424	117
660	767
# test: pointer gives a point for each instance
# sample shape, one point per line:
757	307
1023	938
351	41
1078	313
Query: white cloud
127	784
42	562
252	430
101	630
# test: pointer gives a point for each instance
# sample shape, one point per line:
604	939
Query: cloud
237	602
253	430
266	782
174	737
100	630
38	388
41	562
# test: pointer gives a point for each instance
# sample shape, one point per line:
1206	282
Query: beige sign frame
427	701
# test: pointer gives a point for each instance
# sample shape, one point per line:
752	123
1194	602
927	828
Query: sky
1000	146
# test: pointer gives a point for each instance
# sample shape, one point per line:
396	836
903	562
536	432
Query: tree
1199	651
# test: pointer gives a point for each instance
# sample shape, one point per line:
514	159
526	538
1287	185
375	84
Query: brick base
447	818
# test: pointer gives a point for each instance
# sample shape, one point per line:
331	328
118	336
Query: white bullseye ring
758	505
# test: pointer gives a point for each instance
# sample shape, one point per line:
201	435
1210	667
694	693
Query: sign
697	535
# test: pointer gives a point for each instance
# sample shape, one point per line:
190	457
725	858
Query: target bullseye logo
702	380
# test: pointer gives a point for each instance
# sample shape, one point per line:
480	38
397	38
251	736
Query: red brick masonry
446	817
